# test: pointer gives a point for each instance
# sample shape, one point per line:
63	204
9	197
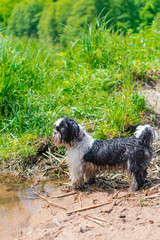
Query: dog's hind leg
137	178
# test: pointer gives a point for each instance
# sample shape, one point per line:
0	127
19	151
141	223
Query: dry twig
94	220
101	204
152	196
65	195
156	186
112	206
51	203
97	218
91	122
87	208
158	150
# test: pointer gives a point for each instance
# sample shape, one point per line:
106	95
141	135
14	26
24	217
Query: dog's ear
70	130
73	128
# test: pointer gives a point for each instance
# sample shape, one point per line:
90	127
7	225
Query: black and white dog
86	156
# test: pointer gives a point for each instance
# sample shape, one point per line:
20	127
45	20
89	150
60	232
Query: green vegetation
93	79
25	18
90	74
59	19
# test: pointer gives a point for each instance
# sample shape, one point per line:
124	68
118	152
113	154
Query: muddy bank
124	215
19	203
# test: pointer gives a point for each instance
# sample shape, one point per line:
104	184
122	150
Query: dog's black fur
133	153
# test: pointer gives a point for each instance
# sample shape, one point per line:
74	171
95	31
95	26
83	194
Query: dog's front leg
77	177
76	170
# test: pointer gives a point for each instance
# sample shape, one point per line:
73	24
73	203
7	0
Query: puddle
17	204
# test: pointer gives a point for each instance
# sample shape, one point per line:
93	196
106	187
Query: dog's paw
79	187
68	188
91	181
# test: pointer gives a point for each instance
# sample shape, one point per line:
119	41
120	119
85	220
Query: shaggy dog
86	156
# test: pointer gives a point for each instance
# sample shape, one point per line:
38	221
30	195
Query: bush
156	23
25	17
63	11
54	18
82	13
6	7
47	26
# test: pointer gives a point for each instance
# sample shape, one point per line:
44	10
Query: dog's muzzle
56	138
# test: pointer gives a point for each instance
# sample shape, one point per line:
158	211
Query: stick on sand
51	203
87	208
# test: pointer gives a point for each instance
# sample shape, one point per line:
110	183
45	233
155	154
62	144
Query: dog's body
86	155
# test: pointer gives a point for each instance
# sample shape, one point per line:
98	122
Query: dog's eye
57	128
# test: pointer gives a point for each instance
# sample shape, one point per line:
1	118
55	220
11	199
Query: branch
51	203
87	208
65	195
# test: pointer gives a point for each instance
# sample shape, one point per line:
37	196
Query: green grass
92	79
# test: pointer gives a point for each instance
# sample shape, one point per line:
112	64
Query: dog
86	156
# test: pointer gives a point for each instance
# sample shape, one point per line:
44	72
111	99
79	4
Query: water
17	204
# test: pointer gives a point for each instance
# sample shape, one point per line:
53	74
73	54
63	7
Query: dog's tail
147	134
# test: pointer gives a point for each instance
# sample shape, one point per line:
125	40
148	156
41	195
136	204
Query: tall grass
92	79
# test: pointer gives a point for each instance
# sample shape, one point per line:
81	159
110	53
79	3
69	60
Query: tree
157	21
25	18
148	11
82	12
126	14
63	11
6	7
47	26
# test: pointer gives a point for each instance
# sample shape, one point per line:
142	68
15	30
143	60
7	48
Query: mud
18	204
45	214
127	216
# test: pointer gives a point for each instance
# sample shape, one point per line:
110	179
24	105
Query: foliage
148	12
47	26
157	21
63	11
126	13
6	7
82	13
93	79
63	19
25	18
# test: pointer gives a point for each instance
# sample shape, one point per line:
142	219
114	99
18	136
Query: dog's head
66	132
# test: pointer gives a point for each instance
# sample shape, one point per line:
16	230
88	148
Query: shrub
25	17
156	23
47	26
82	13
6	7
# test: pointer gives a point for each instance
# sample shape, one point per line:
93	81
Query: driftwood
51	203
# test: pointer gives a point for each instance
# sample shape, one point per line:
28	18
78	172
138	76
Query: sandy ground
126	215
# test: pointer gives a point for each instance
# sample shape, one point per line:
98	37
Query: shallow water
17	204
